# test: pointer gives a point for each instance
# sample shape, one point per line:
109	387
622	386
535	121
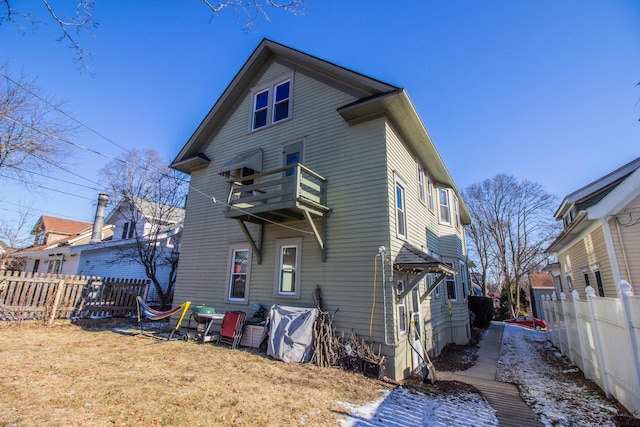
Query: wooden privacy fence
601	336
30	296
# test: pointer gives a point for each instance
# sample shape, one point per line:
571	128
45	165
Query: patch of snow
540	371
404	407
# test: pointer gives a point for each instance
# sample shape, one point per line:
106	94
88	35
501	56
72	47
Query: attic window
271	103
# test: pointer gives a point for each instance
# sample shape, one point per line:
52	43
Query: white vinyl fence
601	336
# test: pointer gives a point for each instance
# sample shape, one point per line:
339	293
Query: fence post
563	301
625	293
56	301
555	338
581	337
602	364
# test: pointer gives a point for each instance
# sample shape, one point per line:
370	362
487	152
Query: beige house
600	244
307	174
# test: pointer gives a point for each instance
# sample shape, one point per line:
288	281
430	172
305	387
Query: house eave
397	106
190	164
580	223
244	78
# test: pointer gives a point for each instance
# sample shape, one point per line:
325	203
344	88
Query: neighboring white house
103	249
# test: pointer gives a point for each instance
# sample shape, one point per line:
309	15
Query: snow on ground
405	407
548	383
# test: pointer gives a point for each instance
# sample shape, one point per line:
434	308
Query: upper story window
271	103
456	213
401	210
421	189
445	206
128	229
41	239
430	194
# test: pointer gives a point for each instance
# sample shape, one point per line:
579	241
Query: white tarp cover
291	333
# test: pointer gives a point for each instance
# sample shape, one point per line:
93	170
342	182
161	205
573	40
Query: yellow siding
353	159
623	226
583	255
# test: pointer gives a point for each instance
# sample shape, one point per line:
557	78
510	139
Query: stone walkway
503	397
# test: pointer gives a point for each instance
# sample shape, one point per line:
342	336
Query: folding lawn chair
231	331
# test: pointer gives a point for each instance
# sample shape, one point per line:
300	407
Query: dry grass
68	375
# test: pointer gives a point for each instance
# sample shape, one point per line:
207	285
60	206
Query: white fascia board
617	199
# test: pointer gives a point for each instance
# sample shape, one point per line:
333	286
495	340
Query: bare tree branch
30	129
512	225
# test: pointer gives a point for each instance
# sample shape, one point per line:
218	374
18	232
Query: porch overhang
415	261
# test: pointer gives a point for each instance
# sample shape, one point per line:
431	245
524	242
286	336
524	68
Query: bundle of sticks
350	352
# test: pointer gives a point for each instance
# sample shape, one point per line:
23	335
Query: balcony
290	193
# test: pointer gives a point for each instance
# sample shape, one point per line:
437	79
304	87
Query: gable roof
541	281
267	50
374	97
60	225
601	185
596	201
149	210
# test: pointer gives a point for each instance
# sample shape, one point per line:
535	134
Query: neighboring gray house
300	173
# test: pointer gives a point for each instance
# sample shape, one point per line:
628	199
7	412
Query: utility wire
56	108
57	179
48	188
43	211
74	144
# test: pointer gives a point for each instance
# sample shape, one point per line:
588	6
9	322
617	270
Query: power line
43	211
74	144
56	108
57	179
48	188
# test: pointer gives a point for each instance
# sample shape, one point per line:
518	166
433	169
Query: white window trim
271	87
430	203
455	210
440	206
452	263
399	183
232	249
421	186
284	243
401	304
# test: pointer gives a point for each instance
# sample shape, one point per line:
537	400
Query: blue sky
542	90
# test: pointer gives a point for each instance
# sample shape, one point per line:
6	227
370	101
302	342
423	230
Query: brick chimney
98	222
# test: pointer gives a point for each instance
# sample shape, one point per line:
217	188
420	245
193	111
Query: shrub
482	309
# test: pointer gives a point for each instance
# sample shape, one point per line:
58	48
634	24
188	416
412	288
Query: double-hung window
445	206
430	194
128	230
456	212
402	310
239	273
271	103
599	282
401	210
421	189
288	263
452	290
